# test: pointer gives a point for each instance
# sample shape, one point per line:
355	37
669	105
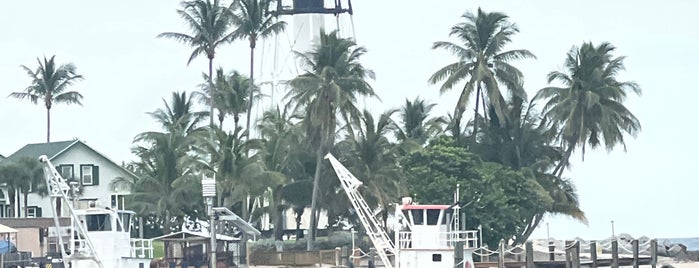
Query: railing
142	248
442	239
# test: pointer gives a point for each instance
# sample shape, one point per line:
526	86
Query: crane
58	190
378	236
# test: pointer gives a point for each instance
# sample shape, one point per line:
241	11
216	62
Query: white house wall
79	154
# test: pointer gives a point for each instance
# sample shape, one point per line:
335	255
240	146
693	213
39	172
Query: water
691	243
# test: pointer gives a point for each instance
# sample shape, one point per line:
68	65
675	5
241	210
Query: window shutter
95	175
38	212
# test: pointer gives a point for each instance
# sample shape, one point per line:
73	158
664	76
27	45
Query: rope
512	250
571	245
489	252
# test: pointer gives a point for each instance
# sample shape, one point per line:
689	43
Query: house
31	233
92	172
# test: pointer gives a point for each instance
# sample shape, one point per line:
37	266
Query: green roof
50	149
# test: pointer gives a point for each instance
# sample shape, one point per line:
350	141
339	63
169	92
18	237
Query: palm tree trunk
48	125
211	100
314	198
252	85
558	171
278	214
26	206
475	115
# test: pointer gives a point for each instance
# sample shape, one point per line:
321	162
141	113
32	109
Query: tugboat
98	237
426	236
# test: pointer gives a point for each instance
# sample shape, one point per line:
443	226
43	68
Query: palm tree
254	22
415	123
167	165
374	159
230	94
482	62
50	84
589	109
329	89
210	23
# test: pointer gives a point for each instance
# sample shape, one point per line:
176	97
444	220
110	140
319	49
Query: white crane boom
378	236
58	189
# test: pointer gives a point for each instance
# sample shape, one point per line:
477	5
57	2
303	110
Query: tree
496	197
329	89
25	176
589	109
167	166
254	22
414	122
210	23
50	83
482	62
374	159
230	94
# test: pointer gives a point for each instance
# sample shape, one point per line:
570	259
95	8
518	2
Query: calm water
691	243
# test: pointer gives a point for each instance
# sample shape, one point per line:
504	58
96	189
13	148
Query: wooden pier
573	257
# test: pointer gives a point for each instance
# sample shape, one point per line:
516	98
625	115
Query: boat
98	236
425	236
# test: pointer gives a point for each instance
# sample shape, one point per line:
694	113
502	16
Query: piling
634	246
615	254
458	254
653	253
529	247
501	254
593	254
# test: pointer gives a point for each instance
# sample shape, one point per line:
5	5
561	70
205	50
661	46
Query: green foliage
499	199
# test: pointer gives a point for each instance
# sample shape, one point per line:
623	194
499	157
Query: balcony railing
406	240
142	248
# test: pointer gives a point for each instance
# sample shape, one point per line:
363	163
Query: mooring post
372	259
634	246
529	248
458	254
615	254
552	248
568	250
653	253
593	253
576	254
501	254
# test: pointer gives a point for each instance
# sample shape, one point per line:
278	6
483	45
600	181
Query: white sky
646	191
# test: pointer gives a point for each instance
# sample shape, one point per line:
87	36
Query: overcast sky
646	191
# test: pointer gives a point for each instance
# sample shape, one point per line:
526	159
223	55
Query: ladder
58	189
378	236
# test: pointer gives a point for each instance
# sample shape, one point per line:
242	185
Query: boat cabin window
98	222
433	216
416	214
125	220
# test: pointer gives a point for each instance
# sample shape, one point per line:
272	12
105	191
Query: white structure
426	237
80	164
97	237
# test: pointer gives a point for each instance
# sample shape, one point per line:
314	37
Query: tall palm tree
482	63
50	83
254	22
328	90
167	165
588	109
210	24
230	93
374	159
415	121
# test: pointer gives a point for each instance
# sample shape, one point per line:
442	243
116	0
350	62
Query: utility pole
208	191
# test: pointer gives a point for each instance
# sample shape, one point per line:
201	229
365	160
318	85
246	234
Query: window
89	175
436	257
33	212
417	216
118	201
66	172
433	216
99	222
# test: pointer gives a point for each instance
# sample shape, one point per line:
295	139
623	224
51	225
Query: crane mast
58	189
378	236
